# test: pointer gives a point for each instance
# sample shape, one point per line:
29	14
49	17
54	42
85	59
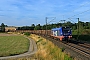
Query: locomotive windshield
66	29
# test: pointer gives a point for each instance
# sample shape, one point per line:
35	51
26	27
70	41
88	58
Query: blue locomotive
63	33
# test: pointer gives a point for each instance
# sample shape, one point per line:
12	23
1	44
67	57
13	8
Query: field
13	45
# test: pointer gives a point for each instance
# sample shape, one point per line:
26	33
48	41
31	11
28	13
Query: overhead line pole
47	23
46	26
78	28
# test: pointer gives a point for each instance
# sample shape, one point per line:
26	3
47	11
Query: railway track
79	49
83	49
85	45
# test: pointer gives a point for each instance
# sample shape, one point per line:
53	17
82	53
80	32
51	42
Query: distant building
10	28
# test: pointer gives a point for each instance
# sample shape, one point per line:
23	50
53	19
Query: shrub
27	33
63	49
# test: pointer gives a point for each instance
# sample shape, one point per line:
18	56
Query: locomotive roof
59	28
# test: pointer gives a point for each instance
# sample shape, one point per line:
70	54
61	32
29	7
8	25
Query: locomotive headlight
69	31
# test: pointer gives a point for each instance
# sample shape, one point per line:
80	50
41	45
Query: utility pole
78	28
46	26
49	22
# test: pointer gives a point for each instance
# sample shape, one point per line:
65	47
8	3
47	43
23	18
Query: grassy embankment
47	50
13	45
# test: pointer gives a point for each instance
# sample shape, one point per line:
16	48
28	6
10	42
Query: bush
27	33
63	49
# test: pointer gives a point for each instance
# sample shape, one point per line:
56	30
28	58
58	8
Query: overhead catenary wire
81	6
78	14
81	12
70	18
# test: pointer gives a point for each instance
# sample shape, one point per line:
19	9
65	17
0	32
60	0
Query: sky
28	12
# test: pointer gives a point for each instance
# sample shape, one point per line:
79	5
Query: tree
81	25
89	25
59	24
37	27
43	27
74	26
2	27
32	27
86	25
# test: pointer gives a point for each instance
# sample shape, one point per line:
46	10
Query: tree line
74	26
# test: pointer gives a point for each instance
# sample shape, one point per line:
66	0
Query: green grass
13	45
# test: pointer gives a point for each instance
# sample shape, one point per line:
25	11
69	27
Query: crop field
13	45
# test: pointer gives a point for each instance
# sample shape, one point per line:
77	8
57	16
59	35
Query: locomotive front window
66	30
